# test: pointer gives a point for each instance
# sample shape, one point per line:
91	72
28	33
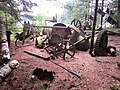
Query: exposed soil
96	72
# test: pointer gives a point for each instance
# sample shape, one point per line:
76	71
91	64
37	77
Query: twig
101	61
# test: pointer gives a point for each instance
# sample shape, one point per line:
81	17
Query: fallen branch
101	61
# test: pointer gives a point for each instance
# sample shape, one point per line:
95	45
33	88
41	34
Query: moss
114	86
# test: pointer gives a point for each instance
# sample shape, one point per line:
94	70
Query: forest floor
97	73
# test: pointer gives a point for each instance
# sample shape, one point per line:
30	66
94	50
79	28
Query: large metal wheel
64	49
101	43
19	39
18	42
76	23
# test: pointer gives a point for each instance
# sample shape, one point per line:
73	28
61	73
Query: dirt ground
97	73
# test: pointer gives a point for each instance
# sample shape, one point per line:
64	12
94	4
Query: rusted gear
100	47
64	49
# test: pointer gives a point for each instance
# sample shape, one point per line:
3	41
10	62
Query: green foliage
43	86
114	86
2	14
40	19
9	20
68	12
114	5
76	9
15	7
10	11
17	28
117	16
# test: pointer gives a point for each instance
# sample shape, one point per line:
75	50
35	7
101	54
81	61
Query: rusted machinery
101	47
61	42
19	38
58	43
27	33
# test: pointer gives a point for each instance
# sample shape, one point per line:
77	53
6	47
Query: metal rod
74	73
57	27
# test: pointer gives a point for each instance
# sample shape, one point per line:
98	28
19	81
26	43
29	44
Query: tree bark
7	68
4	48
118	21
118	6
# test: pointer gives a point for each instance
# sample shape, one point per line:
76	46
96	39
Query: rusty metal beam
36	55
57	27
72	72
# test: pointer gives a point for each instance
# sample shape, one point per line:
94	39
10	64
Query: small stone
87	80
82	65
85	86
42	50
113	80
33	77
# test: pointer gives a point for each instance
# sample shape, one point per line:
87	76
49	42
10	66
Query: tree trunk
7	68
118	6
118	21
4	48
